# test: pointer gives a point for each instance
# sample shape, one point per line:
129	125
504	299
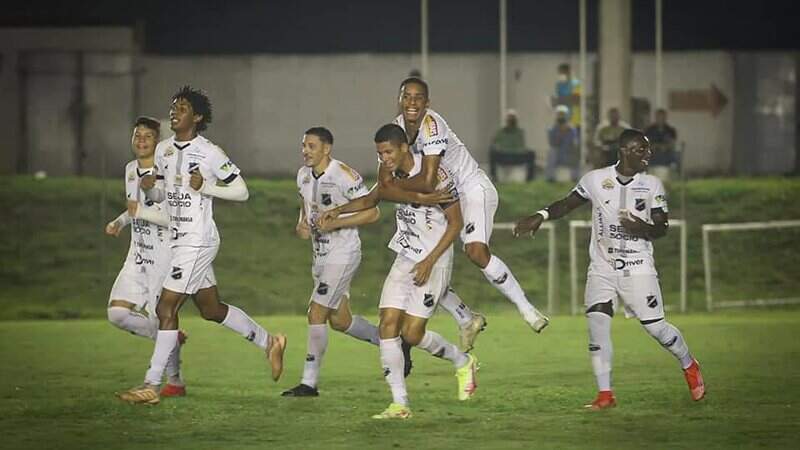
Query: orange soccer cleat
695	380
173	390
604	400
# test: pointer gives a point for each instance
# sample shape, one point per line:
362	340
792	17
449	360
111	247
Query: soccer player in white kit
420	275
324	183
629	210
133	298
429	135
191	167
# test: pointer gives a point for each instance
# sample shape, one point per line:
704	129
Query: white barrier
573	260
722	227
552	261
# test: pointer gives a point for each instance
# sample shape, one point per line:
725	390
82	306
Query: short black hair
392	133
629	135
200	104
563	67
416	80
148	122
322	133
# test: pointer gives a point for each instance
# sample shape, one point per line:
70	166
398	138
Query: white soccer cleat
469	333
536	320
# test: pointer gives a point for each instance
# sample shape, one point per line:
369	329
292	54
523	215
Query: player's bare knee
340	323
478	253
214	312
317	314
413	334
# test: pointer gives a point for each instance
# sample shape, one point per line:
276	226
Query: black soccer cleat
407	363
301	390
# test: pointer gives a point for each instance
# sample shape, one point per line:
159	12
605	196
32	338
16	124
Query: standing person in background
563	139
568	93
508	147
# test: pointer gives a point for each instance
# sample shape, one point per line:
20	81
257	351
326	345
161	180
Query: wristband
544	213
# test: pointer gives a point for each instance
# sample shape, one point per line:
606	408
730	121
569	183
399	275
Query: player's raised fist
113	228
196	181
528	225
147	182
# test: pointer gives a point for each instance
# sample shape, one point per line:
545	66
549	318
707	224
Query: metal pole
683	265
707	268
424	38
503	51
552	281
573	271
659	66
582	100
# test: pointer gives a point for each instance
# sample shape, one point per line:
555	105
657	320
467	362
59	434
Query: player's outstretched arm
455	222
391	190
638	227
556	210
363	217
426	180
236	190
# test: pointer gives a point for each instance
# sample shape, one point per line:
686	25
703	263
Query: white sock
392	361
132	321
166	341
600	349
238	321
453	304
501	277
173	368
438	346
361	329
671	339
317	344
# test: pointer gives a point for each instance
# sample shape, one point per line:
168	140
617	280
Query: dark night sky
321	26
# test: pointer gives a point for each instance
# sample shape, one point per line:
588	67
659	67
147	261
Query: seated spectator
662	140
564	148
508	147
606	137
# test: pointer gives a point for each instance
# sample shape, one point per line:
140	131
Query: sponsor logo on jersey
640	189
608	184
639	204
139	260
326	199
661	198
322	289
177	273
619	232
620	264
428	300
652	301
470	227
182	199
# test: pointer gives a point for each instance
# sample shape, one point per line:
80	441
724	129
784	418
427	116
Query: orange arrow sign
698	100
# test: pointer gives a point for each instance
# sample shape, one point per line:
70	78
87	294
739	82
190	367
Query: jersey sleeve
299	180
582	188
659	196
221	166
131	182
353	185
434	134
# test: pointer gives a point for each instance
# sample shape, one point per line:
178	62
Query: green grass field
59	378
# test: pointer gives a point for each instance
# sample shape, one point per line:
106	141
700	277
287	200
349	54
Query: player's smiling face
637	154
314	150
393	156
144	142
182	117
413	102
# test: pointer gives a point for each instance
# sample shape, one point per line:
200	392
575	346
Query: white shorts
190	269
132	285
400	292
478	206
640	294
332	282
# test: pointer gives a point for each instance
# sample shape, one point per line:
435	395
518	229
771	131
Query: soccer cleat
275	354
407	363
394	411
469	333
301	390
145	394
604	400
467	378
695	380
536	320
173	390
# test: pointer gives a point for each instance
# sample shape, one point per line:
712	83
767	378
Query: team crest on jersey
431	128
640	204
608	184
169	151
326	199
307	179
428	300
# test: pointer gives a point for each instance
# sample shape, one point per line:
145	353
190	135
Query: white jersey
149	250
335	187
191	215
435	138
612	248
421	227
